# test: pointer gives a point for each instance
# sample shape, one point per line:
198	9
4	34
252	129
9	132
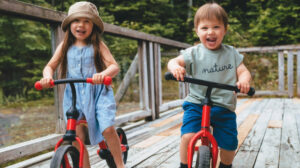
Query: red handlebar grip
38	86
107	80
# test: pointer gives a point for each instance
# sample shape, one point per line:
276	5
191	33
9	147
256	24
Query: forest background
25	46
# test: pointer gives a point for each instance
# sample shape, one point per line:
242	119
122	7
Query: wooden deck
269	135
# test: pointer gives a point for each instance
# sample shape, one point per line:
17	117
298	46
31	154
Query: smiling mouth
211	39
80	31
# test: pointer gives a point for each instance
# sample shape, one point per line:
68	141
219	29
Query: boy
213	61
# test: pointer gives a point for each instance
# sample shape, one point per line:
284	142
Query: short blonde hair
210	11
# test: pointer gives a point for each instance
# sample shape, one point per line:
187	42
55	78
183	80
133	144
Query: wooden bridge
269	129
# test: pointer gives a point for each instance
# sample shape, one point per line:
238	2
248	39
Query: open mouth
211	39
80	32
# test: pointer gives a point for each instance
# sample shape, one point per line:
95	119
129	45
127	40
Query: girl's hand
178	72
98	78
244	86
45	82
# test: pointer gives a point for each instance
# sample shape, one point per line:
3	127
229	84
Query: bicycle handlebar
106	81
169	76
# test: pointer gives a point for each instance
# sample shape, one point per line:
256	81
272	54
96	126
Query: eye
76	20
203	28
216	27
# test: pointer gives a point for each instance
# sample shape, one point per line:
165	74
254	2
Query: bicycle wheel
65	155
203	158
123	140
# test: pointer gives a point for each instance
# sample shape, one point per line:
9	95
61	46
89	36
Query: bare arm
112	66
244	78
176	67
51	67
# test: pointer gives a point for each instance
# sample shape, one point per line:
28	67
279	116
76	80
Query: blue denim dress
95	102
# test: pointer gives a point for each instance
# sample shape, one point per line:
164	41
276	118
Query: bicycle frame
204	134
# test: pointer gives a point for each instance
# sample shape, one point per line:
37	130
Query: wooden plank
269	48
148	142
248	151
170	105
290	72
256	105
33	161
289	147
298	73
28	148
168	120
268	155
245	128
157	79
132	116
245	105
280	71
143	155
126	80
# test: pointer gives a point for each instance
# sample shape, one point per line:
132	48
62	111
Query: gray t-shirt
216	66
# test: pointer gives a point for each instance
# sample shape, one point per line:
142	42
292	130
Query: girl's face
211	33
81	29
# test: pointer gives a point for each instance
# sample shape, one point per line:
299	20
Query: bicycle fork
206	139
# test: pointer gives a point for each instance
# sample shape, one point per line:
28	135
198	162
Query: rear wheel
65	156
203	158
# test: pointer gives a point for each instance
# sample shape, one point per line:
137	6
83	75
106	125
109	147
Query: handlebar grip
169	76
251	91
106	81
38	85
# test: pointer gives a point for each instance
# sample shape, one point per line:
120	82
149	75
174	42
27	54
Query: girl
83	55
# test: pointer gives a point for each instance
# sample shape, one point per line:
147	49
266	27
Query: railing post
290	67
56	37
143	76
280	71
157	79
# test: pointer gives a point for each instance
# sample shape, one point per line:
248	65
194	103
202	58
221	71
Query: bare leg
114	145
227	156
185	139
81	132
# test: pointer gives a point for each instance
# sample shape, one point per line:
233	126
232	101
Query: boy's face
211	33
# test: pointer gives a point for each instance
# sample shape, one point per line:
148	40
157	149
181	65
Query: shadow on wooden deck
269	135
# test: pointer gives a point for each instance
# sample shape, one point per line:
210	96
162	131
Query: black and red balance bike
66	155
207	153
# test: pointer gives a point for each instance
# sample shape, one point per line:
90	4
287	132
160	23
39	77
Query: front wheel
66	156
204	157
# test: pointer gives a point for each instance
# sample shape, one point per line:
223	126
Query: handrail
37	13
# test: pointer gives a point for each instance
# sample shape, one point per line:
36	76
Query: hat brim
94	18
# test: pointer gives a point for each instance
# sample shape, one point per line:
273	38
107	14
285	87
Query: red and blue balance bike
66	155
207	153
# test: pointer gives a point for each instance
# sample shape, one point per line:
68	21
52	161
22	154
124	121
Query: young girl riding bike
82	54
212	61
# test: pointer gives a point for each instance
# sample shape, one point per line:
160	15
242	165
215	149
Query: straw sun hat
83	9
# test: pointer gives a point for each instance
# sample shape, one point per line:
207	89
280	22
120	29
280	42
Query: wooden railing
290	52
147	62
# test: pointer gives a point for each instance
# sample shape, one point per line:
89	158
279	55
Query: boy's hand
244	86
178	72
45	82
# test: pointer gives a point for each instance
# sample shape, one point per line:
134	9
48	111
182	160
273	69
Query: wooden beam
126	80
269	48
28	148
298	74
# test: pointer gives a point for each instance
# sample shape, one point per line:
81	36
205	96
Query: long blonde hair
94	39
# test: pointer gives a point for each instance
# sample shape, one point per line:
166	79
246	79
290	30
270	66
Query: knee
185	138
109	131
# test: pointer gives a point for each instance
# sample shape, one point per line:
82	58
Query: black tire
204	157
124	141
58	158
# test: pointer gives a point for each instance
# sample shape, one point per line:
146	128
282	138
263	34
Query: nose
210	31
